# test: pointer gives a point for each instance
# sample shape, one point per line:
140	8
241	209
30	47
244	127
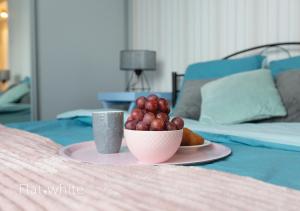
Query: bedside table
113	98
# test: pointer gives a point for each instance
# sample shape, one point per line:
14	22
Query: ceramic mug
108	131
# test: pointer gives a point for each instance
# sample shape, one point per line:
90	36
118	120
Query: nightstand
108	99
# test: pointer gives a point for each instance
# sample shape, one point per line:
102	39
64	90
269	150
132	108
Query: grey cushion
25	99
288	85
189	101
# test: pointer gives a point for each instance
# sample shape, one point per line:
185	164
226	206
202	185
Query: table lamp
4	75
138	61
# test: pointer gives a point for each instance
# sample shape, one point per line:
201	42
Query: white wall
78	52
19	39
187	31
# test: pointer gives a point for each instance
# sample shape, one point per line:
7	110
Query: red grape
142	126
163	105
171	126
157	124
148	117
137	114
152	97
167	111
151	106
130	118
178	122
140	102
131	125
162	116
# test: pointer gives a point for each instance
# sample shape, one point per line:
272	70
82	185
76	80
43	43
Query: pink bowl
153	146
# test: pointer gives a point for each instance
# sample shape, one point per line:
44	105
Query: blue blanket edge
222	138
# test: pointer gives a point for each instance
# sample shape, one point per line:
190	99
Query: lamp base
140	79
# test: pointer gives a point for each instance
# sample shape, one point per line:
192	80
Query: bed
261	174
15	103
15	112
264	160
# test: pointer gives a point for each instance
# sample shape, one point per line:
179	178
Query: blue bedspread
266	162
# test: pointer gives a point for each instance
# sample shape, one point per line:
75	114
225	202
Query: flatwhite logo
51	190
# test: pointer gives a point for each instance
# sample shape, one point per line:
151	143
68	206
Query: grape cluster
152	113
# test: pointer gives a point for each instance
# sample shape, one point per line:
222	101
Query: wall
19	39
3	38
3	44
184	32
78	52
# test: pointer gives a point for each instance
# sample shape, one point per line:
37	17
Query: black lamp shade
137	60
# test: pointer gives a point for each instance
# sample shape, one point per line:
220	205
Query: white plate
86	152
206	143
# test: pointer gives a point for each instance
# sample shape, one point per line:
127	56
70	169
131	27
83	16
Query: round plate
86	152
206	143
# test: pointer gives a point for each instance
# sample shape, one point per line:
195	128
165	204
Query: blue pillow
217	69
241	97
221	68
15	93
282	65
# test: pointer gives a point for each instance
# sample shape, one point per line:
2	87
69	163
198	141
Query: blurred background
57	55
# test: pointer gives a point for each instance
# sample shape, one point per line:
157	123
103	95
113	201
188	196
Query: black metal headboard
176	76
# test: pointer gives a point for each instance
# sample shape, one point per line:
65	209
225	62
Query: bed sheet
260	159
34	177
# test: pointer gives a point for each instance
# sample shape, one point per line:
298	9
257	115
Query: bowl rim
153	131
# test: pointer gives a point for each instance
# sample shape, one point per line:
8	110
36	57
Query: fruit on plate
131	124
162	116
137	114
196	140
157	124
151	106
189	138
152	114
140	102
148	118
142	126
163	105
152	97
178	122
170	126
186	136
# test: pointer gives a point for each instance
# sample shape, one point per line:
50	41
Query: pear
195	139
189	138
186	137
